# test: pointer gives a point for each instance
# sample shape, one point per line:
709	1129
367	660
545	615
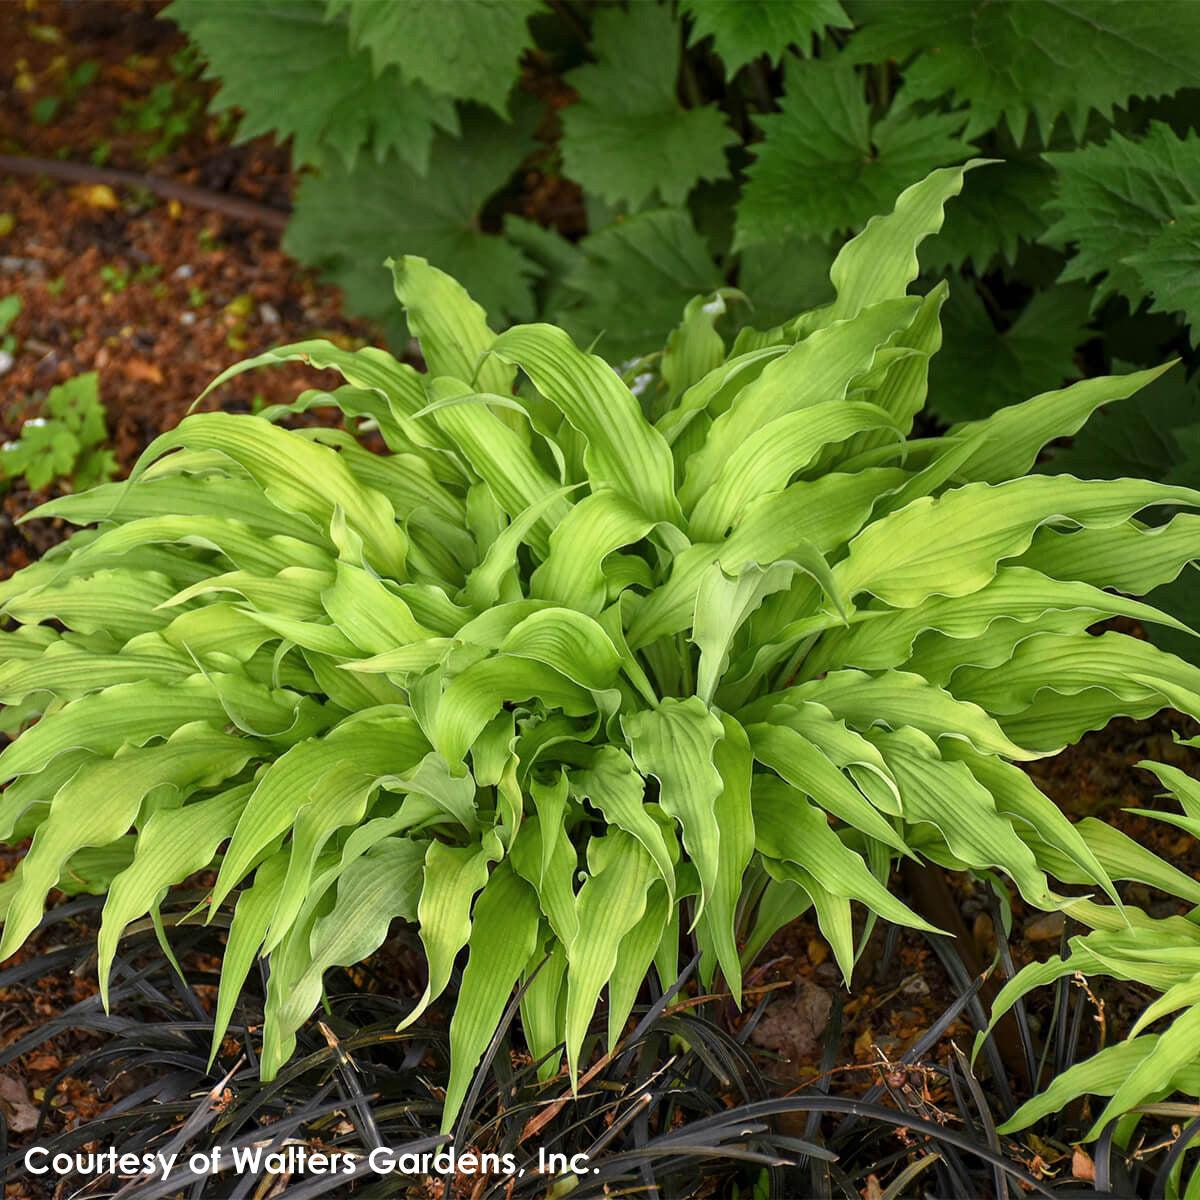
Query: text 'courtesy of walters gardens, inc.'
295	1159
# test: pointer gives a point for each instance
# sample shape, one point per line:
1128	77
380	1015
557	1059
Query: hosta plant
1161	954
581	665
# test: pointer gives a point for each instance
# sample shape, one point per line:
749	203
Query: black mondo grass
681	1108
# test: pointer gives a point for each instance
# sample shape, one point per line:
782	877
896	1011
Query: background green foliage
739	142
813	114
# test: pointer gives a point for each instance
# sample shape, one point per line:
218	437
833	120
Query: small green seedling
67	442
10	309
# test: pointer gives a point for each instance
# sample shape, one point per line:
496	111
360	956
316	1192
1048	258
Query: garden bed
158	297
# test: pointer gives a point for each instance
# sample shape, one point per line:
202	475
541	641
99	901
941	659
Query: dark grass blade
681	1109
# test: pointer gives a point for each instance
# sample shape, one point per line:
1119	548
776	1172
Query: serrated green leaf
743	30
315	89
627	138
822	166
632	281
997	212
1038	57
981	369
346	224
1116	200
467	51
1168	267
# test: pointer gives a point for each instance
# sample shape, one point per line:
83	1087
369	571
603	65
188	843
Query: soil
155	296
159	297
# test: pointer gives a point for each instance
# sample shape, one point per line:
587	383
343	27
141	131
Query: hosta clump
571	669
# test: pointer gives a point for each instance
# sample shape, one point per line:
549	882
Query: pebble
30	266
1046	928
827	974
6	362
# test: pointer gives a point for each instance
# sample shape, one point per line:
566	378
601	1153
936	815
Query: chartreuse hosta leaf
572	673
1162	954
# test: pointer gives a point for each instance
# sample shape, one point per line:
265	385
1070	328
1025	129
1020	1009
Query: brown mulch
157	297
